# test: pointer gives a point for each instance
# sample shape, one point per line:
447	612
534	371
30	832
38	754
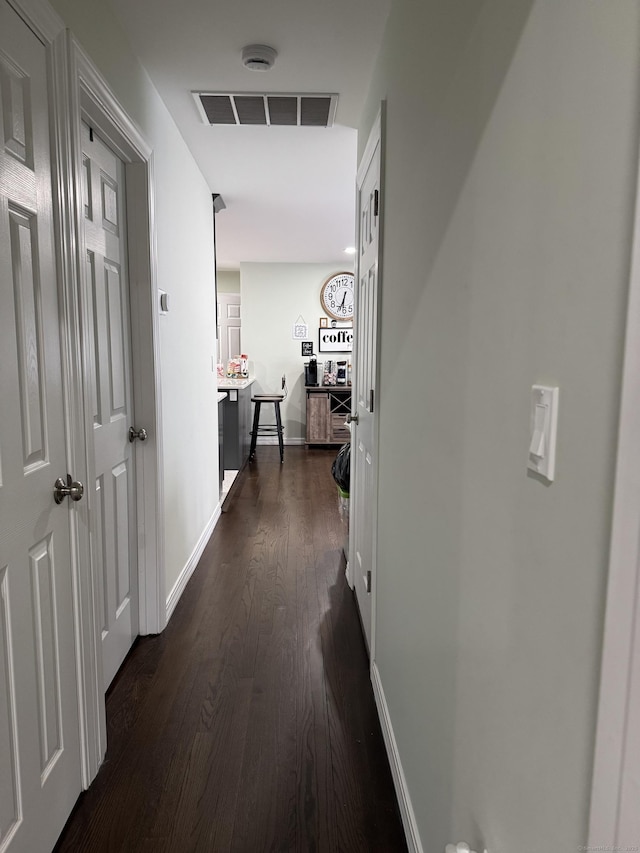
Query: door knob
67	489
140	434
352	419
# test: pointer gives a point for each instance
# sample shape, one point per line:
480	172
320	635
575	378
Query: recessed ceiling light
350	250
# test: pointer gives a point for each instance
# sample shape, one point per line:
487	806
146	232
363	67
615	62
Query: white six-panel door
363	439
229	327
39	735
106	295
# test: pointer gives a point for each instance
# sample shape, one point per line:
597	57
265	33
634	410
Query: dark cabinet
237	424
220	443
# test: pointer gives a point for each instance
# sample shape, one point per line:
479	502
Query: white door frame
92	101
618	726
77	91
99	108
376	137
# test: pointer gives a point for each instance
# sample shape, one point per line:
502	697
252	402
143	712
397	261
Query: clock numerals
336	296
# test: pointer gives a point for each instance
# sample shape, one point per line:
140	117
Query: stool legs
266	429
254	431
279	428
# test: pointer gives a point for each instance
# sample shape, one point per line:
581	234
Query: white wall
512	146
184	225
273	296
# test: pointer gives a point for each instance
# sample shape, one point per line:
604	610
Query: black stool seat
266	429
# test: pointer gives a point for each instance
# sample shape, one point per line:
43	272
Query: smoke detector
258	57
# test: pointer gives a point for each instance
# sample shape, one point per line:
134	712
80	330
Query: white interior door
230	323
363	496
40	774
615	794
107	307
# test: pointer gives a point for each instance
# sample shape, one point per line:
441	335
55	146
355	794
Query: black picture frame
307	347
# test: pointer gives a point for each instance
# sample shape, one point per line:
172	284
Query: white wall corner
183	578
414	844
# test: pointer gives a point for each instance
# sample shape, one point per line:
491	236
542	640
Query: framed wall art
335	340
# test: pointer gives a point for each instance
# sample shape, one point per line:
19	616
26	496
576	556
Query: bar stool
268	429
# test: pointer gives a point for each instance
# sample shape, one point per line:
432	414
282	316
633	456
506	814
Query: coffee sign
335	340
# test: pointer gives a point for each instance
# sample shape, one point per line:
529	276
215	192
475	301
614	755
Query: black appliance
311	372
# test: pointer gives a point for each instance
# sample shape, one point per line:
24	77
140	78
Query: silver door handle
140	434
352	419
67	489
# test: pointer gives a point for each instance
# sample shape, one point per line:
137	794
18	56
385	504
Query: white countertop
221	396
225	384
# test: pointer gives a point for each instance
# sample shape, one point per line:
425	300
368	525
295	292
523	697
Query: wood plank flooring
249	724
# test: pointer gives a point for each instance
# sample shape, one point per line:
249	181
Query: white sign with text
335	340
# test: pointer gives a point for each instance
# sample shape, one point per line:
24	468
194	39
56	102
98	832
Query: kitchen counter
221	396
327	387
226	383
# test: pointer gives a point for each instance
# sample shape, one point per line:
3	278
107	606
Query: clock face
336	296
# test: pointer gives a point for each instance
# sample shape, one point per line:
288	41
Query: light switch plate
542	430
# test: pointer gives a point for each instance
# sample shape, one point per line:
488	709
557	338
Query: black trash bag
341	468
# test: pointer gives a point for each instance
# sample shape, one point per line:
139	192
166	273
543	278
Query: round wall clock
336	296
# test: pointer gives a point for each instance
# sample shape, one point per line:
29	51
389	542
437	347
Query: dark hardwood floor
249	724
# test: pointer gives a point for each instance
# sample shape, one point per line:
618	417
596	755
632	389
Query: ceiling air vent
218	108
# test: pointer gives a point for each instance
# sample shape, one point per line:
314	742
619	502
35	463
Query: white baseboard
273	439
347	574
183	579
404	800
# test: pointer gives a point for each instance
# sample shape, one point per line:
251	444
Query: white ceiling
289	191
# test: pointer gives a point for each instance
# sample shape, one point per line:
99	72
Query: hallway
249	725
